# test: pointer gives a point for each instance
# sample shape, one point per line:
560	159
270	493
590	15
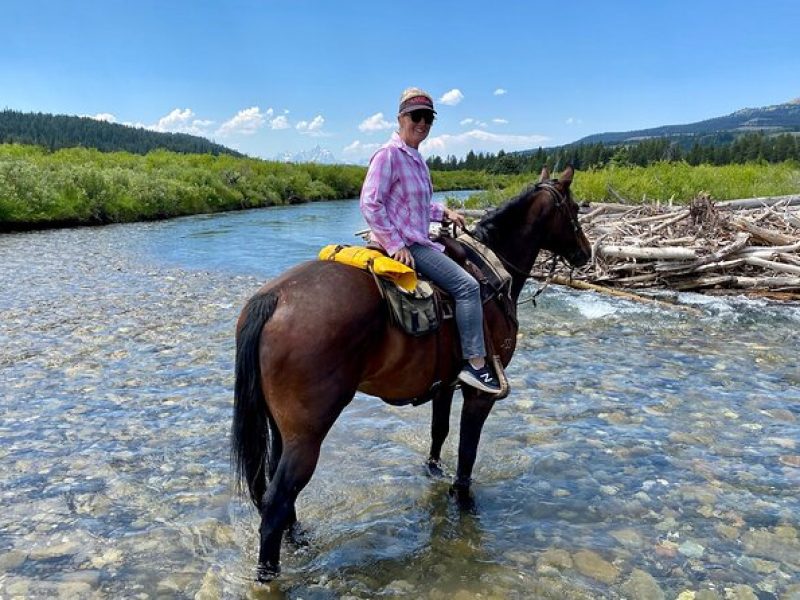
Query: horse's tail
253	433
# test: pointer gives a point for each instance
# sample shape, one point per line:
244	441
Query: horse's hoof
297	535
435	469
463	497
266	572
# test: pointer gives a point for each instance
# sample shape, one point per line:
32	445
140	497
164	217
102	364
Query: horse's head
544	216
556	215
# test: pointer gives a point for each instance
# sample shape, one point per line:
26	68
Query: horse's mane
505	216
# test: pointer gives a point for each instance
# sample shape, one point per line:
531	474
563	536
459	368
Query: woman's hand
404	256
455	217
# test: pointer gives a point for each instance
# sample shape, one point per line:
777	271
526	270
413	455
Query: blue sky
268	77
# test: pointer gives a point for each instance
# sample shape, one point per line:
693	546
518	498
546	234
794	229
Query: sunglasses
418	115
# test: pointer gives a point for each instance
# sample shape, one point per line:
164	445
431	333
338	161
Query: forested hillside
775	119
726	150
64	131
768	134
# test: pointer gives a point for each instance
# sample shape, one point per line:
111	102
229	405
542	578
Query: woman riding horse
396	204
308	340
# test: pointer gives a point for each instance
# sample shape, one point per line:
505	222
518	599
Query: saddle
422	310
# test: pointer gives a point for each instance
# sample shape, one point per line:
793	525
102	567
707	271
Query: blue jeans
448	275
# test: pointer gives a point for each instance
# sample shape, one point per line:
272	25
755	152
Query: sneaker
481	379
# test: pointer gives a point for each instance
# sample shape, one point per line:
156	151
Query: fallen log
783	283
767	235
748	203
775	266
652	252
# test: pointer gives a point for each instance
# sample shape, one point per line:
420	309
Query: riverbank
80	186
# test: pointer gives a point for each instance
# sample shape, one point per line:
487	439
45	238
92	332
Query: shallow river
643	453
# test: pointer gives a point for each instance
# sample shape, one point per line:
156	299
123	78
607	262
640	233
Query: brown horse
310	339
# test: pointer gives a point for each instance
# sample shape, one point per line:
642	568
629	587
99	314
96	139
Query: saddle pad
364	258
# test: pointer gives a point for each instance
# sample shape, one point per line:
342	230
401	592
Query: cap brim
409	109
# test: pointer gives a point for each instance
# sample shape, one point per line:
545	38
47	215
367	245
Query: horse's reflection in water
311	338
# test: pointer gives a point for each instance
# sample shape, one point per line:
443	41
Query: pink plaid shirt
396	198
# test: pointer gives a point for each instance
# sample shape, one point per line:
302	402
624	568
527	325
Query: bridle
561	204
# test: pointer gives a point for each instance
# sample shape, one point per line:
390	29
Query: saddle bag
415	312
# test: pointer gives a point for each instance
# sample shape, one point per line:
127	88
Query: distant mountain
66	131
779	118
317	154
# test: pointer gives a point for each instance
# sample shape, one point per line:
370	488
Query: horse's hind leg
440	427
276	450
293	472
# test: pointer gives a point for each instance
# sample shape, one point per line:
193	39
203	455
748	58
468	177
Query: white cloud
479	141
269	112
474	122
375	123
107	117
182	121
573	121
312	128
246	122
500	92
452	97
500	121
279	122
359	152
360	147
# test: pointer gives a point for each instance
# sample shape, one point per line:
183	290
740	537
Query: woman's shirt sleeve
374	195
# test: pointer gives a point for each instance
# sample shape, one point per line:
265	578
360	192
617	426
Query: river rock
707	595
54	551
759	565
399	587
791	460
465	595
691	549
642	586
629	538
210	588
554	557
729	532
70	590
781	544
12	559
112	556
740	592
592	565
792	592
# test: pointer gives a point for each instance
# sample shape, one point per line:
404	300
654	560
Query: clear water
642	451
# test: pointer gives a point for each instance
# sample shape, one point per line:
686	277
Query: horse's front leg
440	427
473	415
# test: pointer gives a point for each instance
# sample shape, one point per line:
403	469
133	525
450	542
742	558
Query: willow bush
85	186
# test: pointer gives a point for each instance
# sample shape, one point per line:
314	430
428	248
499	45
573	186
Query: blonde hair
413	92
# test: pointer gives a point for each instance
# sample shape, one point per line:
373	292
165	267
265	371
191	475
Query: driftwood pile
740	246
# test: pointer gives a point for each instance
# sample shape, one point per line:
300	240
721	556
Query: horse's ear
566	176
544	175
